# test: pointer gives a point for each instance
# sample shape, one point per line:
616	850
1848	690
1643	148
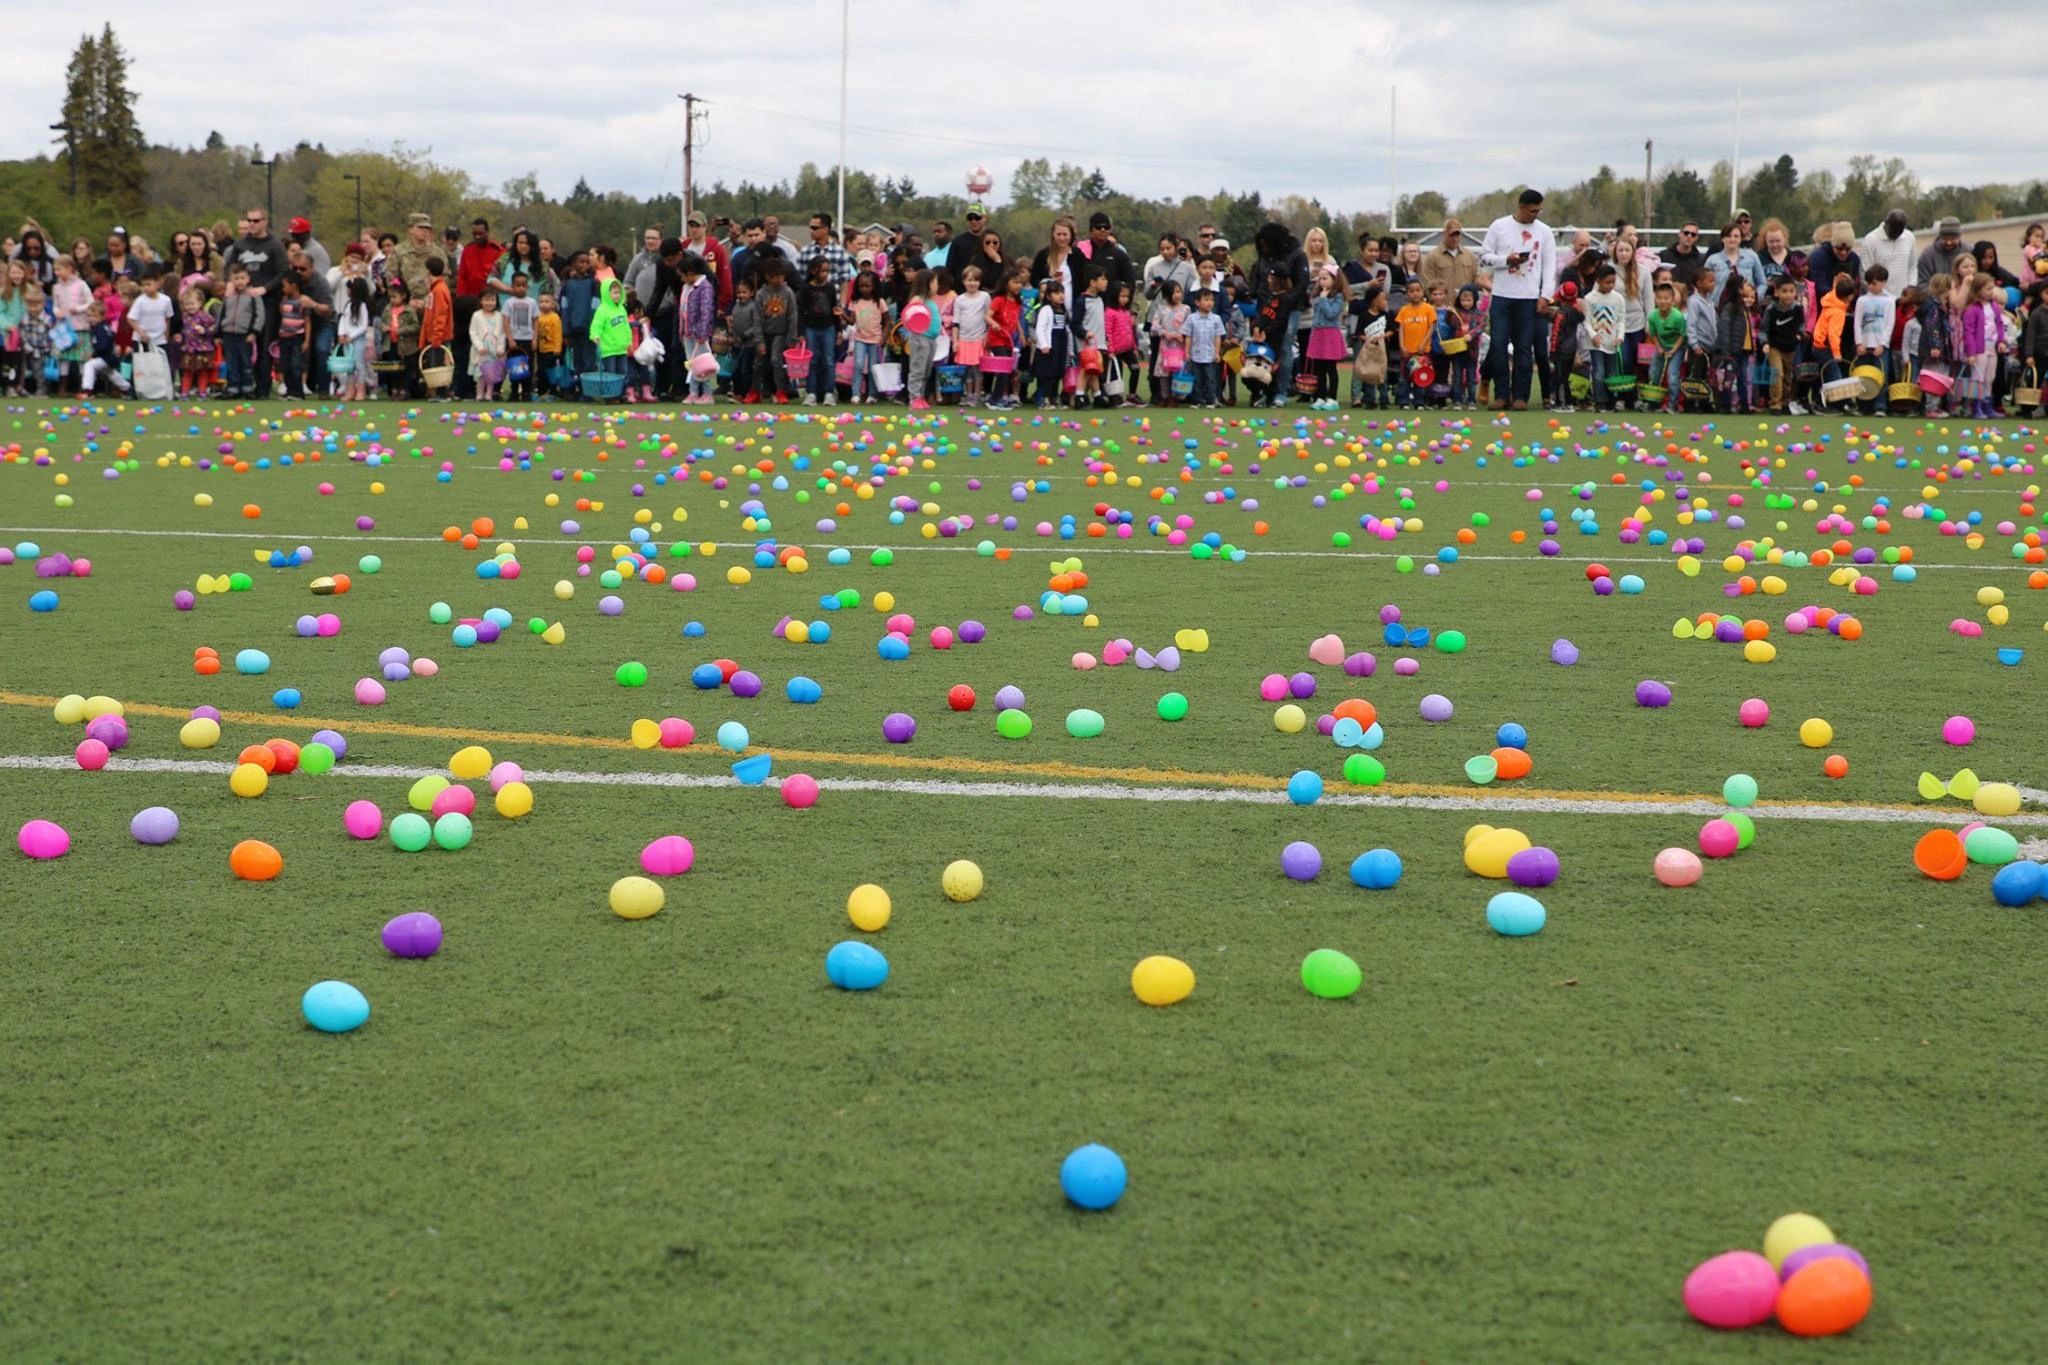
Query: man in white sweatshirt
1521	252
1890	244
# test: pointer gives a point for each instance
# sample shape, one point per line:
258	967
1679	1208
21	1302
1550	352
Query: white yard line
1095	791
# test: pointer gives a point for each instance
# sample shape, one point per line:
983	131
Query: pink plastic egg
1678	866
43	839
667	856
363	820
800	791
1731	1291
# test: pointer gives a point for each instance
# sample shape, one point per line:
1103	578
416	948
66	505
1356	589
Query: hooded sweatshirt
1833	324
609	327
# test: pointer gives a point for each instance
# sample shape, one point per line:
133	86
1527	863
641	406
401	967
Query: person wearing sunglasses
1686	259
1451	262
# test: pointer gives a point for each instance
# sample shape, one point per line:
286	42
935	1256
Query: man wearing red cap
302	237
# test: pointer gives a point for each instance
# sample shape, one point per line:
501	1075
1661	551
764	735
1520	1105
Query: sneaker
830	400
810	400
782	400
1279	402
919	405
1796	409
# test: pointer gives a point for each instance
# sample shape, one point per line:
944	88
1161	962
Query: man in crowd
698	240
301	233
1941	257
1521	252
1449	264
479	258
639	272
319	301
1890	244
773	240
1835	256
1686	258
838	264
408	260
263	256
1107	255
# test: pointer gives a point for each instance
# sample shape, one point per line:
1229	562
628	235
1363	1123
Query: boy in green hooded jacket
610	329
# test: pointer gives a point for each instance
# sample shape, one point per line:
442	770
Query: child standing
1049	340
696	316
1606	314
487	345
1982	343
400	331
639	373
1464	322
522	320
198	325
355	328
818	309
869	317
1567	338
1702	329
970	332
291	335
1415	327
921	332
437	321
13	285
1005	320
1876	311
107	353
1326	337
611	331
547	342
2034	335
1372	361
70	322
1784	328
1205	347
241	323
1666	326
1168	325
1094	339
746	342
779	330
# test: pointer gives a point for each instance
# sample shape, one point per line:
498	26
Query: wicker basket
2026	391
1456	345
1653	393
437	367
1906	391
1869	377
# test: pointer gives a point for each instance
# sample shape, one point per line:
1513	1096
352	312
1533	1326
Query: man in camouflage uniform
409	258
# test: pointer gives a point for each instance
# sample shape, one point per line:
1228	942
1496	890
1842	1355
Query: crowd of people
1733	320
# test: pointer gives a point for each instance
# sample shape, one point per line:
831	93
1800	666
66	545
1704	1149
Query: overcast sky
1176	98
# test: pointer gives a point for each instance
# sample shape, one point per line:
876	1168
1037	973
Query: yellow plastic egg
514	800
868	907
646	734
470	763
201	732
1816	733
636	897
248	780
1162	980
1487	856
961	881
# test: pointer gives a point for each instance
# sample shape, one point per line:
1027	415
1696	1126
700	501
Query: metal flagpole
845	37
1735	165
1393	159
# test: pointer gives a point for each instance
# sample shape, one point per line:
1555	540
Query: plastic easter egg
1958	731
1330	975
1301	861
1305	788
1376	869
1740	790
1435	708
2018	883
42	839
855	966
636	897
1514	915
252	661
420	796
1652	693
1162	980
1537	866
1013	724
899	727
1816	733
413	934
69	710
453	830
1939	854
470	763
1488	855
1720	839
255	861
1731	1291
1821	1251
1093	1177
669	856
868	906
961	881
1083	723
1824	1299
1482	768
316	759
1677	867
154	825
1363	770
1290	719
1754	713
632	673
733	736
513	801
411	832
363	820
248	780
960	697
1996	799
1789	1233
91	755
800	791
334	1007
1989	847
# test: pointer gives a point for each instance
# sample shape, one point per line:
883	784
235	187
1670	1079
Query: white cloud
1169	99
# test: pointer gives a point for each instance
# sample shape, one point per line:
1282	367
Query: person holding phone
1521	251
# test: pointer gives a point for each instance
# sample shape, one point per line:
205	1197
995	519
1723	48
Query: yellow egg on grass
199	733
646	733
248	780
868	907
514	800
470	763
636	897
961	881
1162	980
1792	1233
1816	733
69	710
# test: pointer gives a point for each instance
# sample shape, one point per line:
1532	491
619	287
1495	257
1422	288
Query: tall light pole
71	151
359	201
269	185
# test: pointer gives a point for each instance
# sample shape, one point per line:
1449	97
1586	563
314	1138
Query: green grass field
569	1135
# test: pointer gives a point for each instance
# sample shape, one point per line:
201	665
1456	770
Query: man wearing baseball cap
301	234
713	251
408	260
1942	254
966	246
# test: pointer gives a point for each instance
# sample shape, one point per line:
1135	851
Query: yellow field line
938	763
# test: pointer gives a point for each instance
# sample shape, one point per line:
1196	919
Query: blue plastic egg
1093	1177
286	698
706	677
1376	869
753	770
2019	883
893	647
334	1006
1511	736
733	735
43	601
853	966
803	691
1515	914
1305	788
252	661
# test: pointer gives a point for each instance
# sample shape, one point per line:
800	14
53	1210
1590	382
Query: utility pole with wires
689	152
1648	145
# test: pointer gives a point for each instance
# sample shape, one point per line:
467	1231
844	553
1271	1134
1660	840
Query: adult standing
698	239
1108	256
773	240
639	272
1278	255
1521	251
34	253
472	271
1363	271
663	304
839	270
1734	262
967	246
1836	255
1449	263
318	296
1891	245
521	258
121	262
408	260
301	234
1686	258
1776	256
988	254
1054	260
1941	255
1168	267
261	254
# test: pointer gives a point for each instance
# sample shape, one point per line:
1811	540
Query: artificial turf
570	1135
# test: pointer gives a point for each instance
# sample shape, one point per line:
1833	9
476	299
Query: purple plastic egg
1302	686
745	684
898	727
183	599
972	632
1823	1251
1436	707
1010	698
332	740
1360	665
1301	861
156	825
1407	668
1533	867
413	934
1650	692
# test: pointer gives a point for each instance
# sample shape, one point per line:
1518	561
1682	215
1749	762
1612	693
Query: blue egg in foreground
1376	869
704	677
753	770
1511	736
2018	883
854	966
1093	1177
1515	915
803	691
334	1006
43	601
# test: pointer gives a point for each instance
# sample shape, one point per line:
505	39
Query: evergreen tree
100	112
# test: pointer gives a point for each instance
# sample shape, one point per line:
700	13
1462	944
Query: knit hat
1843	235
1949	227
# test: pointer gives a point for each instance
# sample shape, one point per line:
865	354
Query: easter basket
1621	385
888	376
562	378
1936	382
1183	383
1455	345
951	378
1905	390
1581	386
798	359
437	367
2027	390
602	384
993	363
1654	394
341	362
1870	378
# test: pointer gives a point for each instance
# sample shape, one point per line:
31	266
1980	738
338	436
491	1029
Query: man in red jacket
472	268
715	255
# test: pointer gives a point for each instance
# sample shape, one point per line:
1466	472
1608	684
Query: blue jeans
234	356
866	355
1605	364
823	344
1666	372
320	344
1514	327
1283	357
